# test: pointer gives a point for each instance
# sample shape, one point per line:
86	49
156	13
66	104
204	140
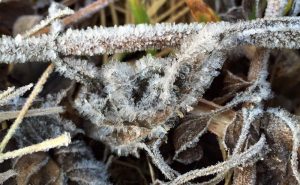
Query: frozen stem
234	161
63	140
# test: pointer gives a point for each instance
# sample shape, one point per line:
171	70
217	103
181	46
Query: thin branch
270	33
62	140
12	93
55	12
80	15
239	159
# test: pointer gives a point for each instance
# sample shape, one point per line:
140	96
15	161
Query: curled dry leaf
186	137
187	134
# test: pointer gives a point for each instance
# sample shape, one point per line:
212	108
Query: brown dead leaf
186	137
276	167
245	176
37	168
201	11
232	85
80	166
187	134
218	122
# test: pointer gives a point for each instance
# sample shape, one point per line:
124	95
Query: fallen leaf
201	11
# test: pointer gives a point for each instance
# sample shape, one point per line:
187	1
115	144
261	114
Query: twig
81	14
238	159
59	141
269	33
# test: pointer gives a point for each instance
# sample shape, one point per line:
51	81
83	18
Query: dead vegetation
196	92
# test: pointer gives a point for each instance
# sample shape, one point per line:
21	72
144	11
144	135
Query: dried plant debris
6	175
37	129
214	77
74	163
80	166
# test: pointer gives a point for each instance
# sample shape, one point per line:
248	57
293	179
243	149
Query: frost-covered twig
12	93
56	11
81	14
158	160
239	159
59	141
270	33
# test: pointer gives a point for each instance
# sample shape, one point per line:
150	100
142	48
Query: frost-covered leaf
129	106
72	163
187	135
233	84
276	168
37	129
80	166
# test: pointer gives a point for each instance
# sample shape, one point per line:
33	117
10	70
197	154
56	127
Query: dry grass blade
6	115
59	141
36	90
